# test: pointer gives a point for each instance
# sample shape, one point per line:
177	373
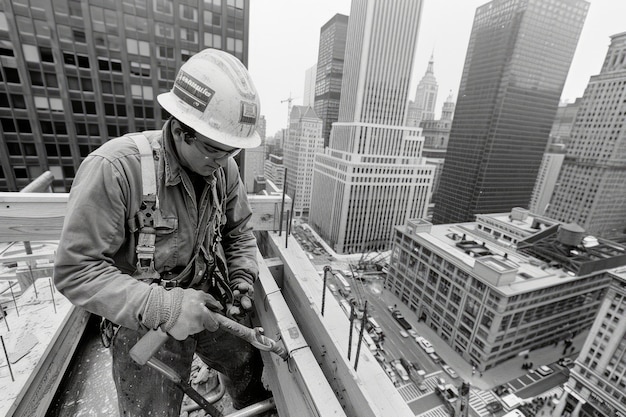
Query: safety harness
207	269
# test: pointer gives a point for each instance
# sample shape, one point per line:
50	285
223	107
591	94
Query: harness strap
148	210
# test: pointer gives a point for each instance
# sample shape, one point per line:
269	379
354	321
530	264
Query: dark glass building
517	60
77	73
330	71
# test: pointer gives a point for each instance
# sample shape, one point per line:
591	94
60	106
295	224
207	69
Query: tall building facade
255	159
274	170
517	60
372	177
561	132
77	73
437	131
546	178
329	72
308	95
507	283
436	135
304	141
597	383
426	94
592	182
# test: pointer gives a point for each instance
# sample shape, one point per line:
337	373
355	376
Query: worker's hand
243	293
195	315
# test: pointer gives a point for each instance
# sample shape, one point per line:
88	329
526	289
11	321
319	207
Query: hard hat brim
180	110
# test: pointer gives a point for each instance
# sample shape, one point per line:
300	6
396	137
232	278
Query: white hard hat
214	95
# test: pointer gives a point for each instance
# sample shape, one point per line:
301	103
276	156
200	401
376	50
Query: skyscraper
546	179
372	177
304	141
308	97
330	71
591	187
75	74
426	93
517	61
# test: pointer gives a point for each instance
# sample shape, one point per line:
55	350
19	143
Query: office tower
330	71
436	135
255	159
371	177
274	170
308	96
597	383
563	123
517	61
507	283
546	178
437	131
75	74
592	182
304	141
426	93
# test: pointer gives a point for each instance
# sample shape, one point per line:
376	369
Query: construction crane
288	100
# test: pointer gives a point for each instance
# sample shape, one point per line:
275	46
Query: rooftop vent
518	213
570	234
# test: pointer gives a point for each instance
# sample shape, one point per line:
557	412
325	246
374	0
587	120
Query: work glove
180	312
243	296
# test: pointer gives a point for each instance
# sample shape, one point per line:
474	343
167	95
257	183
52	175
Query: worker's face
202	155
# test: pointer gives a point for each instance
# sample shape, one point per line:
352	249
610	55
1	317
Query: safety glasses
210	150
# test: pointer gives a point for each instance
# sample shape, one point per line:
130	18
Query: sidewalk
493	377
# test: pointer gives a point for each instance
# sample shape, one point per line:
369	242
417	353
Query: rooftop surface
464	245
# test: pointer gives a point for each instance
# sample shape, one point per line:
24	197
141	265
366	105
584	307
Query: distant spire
431	63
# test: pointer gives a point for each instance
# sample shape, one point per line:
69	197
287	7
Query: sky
284	40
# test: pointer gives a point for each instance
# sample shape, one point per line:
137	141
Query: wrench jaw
266	344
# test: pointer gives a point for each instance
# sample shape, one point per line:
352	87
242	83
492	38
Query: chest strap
148	211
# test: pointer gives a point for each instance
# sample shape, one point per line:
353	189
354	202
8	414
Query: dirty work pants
142	391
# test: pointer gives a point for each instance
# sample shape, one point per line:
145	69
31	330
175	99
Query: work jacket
96	256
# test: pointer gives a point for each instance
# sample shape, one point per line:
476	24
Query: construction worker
156	236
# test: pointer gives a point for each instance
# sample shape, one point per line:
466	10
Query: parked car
544	370
425	344
403	333
450	371
435	357
413	333
400	370
566	362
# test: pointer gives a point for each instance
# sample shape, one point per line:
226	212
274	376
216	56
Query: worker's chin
205	170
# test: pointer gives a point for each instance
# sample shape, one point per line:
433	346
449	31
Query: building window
11	75
188	12
165	52
163	6
18	101
165	30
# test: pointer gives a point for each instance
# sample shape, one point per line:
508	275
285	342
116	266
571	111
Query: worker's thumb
211	302
209	322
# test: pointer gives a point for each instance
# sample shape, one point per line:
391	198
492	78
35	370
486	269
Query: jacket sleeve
238	241
94	230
